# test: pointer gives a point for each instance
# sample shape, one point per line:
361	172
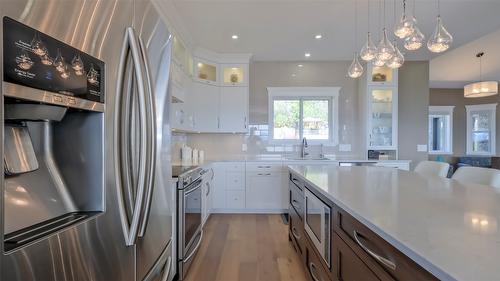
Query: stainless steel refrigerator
85	191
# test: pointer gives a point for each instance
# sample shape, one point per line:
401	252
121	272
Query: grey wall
413	110
456	97
413	107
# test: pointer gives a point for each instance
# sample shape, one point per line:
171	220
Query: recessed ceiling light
234	36
293	75
300	65
318	36
307	55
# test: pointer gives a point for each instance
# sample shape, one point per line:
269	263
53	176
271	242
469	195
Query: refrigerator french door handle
151	131
130	231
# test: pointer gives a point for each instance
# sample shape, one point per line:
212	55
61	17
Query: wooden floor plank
241	247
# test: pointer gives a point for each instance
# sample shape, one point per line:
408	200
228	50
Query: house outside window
481	129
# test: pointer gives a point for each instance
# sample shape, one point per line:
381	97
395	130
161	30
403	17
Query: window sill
440	153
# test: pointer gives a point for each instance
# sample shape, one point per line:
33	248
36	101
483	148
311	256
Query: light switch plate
422	147
345	147
244	147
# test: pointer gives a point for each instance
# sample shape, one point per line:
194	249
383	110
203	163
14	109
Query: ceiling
460	66
283	30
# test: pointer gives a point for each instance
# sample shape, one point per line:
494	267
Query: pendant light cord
414	9
368	16
384	14
439	8
355	23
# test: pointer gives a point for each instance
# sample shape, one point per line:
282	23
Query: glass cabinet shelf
381	117
381	75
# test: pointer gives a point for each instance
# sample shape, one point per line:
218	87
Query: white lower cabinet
235	199
264	191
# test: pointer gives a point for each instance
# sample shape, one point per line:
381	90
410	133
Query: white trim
491	107
305	93
443	110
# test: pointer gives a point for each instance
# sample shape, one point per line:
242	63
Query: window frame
304	94
491	108
442	110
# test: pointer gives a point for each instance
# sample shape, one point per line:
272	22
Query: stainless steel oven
317	224
189	219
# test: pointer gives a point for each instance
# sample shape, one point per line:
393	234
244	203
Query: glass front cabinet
382	76
234	74
206	71
382	118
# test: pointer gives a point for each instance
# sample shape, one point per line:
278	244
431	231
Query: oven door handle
197	184
195	249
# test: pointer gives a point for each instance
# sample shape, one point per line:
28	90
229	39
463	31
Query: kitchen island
449	230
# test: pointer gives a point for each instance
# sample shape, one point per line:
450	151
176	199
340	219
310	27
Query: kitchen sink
307	159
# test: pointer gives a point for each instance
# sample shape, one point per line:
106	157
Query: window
481	129
310	112
441	129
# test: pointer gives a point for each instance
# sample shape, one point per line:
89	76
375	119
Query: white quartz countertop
448	228
281	158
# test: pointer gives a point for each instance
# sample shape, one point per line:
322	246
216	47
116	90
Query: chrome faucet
303	152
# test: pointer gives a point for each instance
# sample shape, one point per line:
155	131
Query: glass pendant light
378	62
46	59
37	45
441	39
356	69
414	41
397	60
92	76
369	50
59	63
385	50
77	65
65	73
405	26
24	61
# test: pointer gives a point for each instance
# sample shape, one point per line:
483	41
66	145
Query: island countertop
448	228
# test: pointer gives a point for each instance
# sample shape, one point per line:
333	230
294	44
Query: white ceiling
283	30
460	66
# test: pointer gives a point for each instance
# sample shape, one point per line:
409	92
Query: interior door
156	227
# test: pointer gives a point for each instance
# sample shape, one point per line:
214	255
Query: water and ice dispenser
53	135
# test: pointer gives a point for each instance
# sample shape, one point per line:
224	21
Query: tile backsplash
222	146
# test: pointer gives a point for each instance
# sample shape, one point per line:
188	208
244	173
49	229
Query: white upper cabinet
234	74
233	109
381	76
206	71
205	107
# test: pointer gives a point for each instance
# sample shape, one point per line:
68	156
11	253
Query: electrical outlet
244	147
422	147
345	147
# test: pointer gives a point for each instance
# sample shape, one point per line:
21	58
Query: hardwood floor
240	247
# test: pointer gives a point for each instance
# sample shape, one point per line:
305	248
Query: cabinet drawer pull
386	262
295	234
267	174
312	269
264	167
